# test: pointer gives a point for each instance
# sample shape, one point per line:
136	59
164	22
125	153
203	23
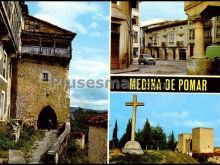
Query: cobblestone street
162	67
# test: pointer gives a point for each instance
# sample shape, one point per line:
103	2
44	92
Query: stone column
199	39
199	64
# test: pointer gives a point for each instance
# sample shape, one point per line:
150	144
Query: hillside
151	157
72	109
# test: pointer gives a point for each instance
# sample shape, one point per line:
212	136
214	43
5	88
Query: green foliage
127	136
115	135
172	142
159	138
79	121
73	154
153	157
27	138
146	135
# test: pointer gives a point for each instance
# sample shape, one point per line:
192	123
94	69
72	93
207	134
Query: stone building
121	33
198	13
136	29
166	40
175	40
184	143
39	83
10	28
203	140
97	140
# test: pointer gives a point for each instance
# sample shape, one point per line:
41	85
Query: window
155	39
45	76
171	38
2	112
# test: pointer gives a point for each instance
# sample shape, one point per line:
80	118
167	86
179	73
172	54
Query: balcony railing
46	51
180	44
12	16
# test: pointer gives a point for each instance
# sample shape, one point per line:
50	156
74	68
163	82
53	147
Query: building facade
121	34
175	40
200	141
166	40
10	31
39	83
136	30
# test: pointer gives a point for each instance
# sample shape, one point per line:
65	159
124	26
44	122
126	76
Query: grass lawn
151	157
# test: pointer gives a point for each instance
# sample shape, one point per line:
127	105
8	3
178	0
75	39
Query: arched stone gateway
44	116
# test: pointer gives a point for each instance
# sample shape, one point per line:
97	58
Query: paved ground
16	157
40	147
165	67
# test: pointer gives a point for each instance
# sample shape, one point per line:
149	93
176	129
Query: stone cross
134	104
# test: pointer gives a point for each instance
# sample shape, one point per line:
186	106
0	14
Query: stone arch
43	118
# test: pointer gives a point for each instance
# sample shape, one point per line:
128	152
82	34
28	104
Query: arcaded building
175	40
40	74
166	40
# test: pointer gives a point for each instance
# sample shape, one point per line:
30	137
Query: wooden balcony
46	51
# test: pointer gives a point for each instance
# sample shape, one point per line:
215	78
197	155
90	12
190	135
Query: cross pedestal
133	147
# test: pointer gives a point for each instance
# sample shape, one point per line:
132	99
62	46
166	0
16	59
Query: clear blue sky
172	111
162	10
90	20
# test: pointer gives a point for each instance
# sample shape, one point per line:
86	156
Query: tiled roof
98	120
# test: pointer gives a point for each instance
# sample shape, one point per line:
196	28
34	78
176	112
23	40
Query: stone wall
97	151
183	145
33	94
203	140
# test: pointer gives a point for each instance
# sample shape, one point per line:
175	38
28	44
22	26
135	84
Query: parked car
146	59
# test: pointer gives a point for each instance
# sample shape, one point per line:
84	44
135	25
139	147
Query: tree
115	135
127	135
78	122
138	136
171	142
146	135
159	138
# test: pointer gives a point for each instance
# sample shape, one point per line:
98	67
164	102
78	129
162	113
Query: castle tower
203	140
40	76
184	143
